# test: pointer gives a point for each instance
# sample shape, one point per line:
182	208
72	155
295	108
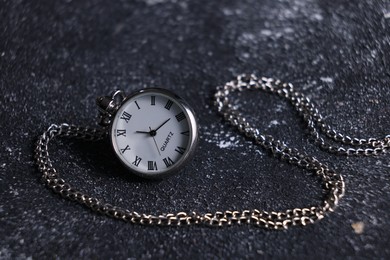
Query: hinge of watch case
108	105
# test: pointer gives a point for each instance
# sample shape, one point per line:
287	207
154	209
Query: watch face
154	133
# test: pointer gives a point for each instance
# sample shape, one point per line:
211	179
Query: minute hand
162	124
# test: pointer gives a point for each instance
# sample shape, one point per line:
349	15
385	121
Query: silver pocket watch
154	134
153	131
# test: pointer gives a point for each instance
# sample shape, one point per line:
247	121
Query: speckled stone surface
56	57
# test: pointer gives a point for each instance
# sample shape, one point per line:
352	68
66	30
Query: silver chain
333	182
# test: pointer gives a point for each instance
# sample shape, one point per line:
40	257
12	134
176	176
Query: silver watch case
108	111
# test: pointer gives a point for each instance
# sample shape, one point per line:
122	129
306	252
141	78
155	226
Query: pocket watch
153	131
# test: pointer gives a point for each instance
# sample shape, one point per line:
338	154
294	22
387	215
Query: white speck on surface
266	32
154	2
227	11
247	36
326	79
221	139
378	163
280	107
259	152
358	227
387	15
118	28
13	191
288	14
273	122
5	253
224	144
317	17
245	55
374	54
260	252
317	59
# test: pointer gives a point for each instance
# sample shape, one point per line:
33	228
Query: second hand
155	142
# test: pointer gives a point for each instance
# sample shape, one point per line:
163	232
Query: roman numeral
152	166
169	104
168	162
153	100
187	133
136	103
180	116
137	161
125	116
125	149
180	150
121	132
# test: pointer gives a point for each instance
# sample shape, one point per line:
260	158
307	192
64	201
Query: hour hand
143	132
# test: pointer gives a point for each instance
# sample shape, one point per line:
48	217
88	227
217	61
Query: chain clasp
108	105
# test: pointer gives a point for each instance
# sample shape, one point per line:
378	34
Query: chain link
333	182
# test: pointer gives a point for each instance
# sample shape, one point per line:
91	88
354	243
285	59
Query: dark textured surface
55	58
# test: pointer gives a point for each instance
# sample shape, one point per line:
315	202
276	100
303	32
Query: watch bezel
193	138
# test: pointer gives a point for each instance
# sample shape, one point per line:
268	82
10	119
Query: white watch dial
153	133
